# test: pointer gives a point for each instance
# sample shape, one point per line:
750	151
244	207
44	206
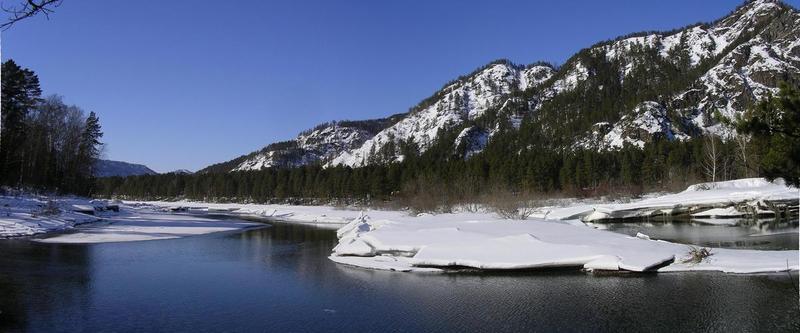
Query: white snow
482	241
321	144
473	139
460	101
719	194
489	243
25	215
648	119
395	240
143	224
578	73
742	75
720	212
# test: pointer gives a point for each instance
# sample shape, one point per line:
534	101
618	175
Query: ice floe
427	244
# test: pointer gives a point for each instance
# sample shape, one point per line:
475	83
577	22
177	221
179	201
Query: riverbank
54	219
555	237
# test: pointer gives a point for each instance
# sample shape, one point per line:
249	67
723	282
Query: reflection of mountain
52	280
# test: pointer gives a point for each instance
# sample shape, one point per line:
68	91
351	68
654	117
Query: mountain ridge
110	168
700	72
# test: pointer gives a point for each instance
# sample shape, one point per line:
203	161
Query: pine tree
775	126
21	94
89	149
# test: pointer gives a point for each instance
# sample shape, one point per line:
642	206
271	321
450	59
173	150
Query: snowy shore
432	244
719	199
397	240
80	220
441	242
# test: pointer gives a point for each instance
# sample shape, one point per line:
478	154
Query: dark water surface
764	234
278	279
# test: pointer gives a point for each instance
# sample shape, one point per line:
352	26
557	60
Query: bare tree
742	142
711	157
27	8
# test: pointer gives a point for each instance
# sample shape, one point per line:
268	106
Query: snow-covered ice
699	199
397	240
144	224
432	242
27	215
546	241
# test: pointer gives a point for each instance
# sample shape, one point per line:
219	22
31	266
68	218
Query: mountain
675	85
108	168
317	145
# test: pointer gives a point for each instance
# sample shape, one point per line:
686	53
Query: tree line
45	144
517	161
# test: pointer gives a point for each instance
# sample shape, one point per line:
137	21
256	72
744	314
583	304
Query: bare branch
27	9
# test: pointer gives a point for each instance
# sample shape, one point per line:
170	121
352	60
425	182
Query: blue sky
183	84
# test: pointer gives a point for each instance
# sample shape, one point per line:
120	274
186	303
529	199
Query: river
278	279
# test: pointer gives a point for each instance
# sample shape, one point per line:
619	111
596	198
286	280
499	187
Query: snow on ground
397	240
144	224
722	195
321	216
30	215
435	243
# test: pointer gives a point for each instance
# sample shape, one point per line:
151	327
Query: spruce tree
21	94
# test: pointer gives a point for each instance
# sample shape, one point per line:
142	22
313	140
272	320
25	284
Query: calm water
765	234
278	280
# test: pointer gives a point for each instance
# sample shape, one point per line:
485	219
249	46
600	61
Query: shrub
696	255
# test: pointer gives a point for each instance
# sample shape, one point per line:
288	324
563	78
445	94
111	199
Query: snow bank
714	199
27	215
31	215
428	243
321	216
142	224
546	241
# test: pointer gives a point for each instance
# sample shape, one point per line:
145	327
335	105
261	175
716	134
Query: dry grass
697	255
48	209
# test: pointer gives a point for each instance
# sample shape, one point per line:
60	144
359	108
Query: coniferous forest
518	161
49	145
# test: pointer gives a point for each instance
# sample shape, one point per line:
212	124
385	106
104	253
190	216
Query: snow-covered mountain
465	99
108	168
676	85
317	145
740	59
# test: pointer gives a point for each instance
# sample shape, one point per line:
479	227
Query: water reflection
761	234
279	279
28	295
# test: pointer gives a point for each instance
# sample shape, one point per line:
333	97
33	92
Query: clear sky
184	84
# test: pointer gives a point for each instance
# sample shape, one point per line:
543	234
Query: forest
438	177
45	144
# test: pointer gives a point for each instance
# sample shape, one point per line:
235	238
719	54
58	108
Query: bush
48	209
696	255
508	204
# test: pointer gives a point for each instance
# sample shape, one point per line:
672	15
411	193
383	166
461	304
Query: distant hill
108	168
182	172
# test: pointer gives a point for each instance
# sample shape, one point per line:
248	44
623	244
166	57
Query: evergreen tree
775	126
21	94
